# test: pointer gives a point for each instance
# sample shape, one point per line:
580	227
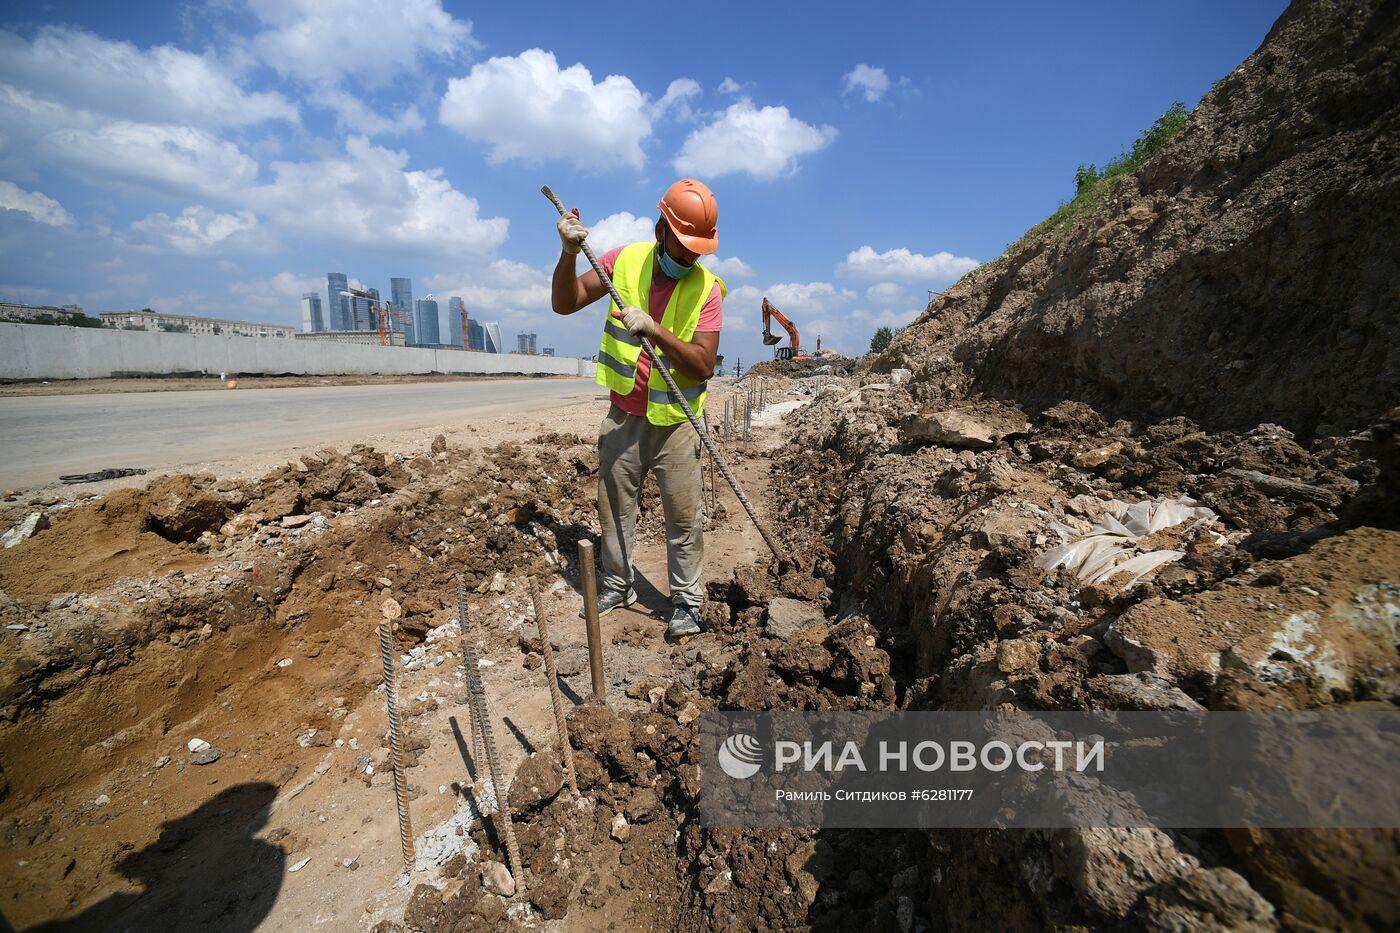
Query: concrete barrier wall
36	351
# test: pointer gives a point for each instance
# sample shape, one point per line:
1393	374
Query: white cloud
197	230
37	205
730	267
730	86
279	293
371	41
763	142
177	159
354	115
885	293
903	264
369	198
84	72
808	298
871	82
677	97
618	230
499	288
527	108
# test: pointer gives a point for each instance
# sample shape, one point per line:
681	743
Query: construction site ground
242	611
107	820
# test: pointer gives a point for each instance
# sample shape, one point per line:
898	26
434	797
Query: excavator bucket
770	338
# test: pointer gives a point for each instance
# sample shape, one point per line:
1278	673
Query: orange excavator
794	349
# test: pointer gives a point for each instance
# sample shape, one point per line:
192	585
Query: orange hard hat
692	214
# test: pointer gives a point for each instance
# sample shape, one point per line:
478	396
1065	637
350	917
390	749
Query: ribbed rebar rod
391	696
748	415
473	726
498	784
503	822
784	561
565	750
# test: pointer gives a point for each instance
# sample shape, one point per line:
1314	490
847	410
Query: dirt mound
89	547
798	369
1246	273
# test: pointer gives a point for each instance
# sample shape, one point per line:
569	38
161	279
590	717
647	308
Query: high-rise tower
337	310
312	318
456	310
425	321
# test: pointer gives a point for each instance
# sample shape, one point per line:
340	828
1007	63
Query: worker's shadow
205	872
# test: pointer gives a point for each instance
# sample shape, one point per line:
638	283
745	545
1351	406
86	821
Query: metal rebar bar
473	727
391	696
779	552
589	582
547	649
493	764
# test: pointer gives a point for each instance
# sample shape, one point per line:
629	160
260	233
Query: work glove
638	322
571	232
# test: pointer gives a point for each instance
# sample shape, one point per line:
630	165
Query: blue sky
219	157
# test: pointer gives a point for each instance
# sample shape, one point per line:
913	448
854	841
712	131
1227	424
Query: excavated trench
927	594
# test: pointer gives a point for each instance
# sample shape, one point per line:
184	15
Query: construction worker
677	304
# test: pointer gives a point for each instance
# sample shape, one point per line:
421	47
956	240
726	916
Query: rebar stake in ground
589	584
493	763
473	726
546	649
391	696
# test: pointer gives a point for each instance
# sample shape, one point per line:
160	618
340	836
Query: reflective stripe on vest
619	351
690	393
622	369
619	332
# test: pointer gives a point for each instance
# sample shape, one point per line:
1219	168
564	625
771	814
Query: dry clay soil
261	640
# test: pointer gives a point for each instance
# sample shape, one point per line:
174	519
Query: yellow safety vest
618	354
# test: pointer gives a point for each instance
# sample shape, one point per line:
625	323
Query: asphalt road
42	437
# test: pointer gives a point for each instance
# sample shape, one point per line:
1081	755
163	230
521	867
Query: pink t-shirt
711	319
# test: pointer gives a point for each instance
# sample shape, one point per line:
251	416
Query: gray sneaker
608	600
685	622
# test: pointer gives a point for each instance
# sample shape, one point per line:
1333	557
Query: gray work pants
629	446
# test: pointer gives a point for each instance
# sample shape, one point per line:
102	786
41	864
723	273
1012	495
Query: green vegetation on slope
1092	185
882	339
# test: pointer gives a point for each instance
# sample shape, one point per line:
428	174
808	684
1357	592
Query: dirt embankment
1246	273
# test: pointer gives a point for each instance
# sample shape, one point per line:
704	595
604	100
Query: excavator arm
770	338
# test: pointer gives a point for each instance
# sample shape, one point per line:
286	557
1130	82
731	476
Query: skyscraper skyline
476	335
493	338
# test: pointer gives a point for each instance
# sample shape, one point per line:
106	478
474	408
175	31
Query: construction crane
381	312
791	352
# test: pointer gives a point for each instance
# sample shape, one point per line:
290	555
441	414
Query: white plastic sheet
1108	549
